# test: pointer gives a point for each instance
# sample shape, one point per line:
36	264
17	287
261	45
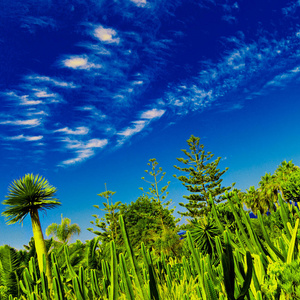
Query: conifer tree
203	178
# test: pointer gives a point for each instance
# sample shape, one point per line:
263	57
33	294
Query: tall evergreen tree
203	178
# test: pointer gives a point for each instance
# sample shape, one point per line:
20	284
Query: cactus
135	268
230	274
154	293
126	278
113	295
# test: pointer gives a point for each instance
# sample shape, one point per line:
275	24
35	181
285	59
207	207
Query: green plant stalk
76	286
58	295
228	270
114	272
292	244
255	281
186	267
240	226
58	286
214	211
209	288
135	269
153	279
247	282
81	280
125	277
194	255
154	293
33	296
284	215
267	238
45	288
105	288
67	257
94	284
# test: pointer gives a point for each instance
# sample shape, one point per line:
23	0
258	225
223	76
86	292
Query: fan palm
28	195
64	231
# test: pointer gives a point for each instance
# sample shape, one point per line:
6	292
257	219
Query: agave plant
203	232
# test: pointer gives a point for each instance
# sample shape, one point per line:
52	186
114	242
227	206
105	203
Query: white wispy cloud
80	62
106	35
291	8
282	79
44	93
52	81
140	3
81	130
40	112
247	69
83	150
25	138
23	99
152	113
93	111
29	94
30	122
135	128
33	23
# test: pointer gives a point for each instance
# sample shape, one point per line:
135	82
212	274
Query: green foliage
109	224
149	222
225	255
28	193
250	268
63	231
285	180
164	235
203	178
204	231
11	266
158	176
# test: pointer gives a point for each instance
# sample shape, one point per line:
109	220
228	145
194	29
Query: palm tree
269	188
284	174
254	200
28	195
64	231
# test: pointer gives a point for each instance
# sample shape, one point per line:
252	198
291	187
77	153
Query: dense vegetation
137	252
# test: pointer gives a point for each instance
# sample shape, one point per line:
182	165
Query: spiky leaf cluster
29	193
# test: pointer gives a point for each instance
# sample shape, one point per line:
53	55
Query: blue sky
91	90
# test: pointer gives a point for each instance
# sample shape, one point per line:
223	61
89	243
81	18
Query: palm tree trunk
40	244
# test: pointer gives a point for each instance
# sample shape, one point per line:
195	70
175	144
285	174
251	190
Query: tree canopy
63	231
203	178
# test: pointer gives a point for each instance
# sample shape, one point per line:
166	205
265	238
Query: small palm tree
64	231
28	195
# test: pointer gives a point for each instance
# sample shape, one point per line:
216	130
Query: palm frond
26	194
10	268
